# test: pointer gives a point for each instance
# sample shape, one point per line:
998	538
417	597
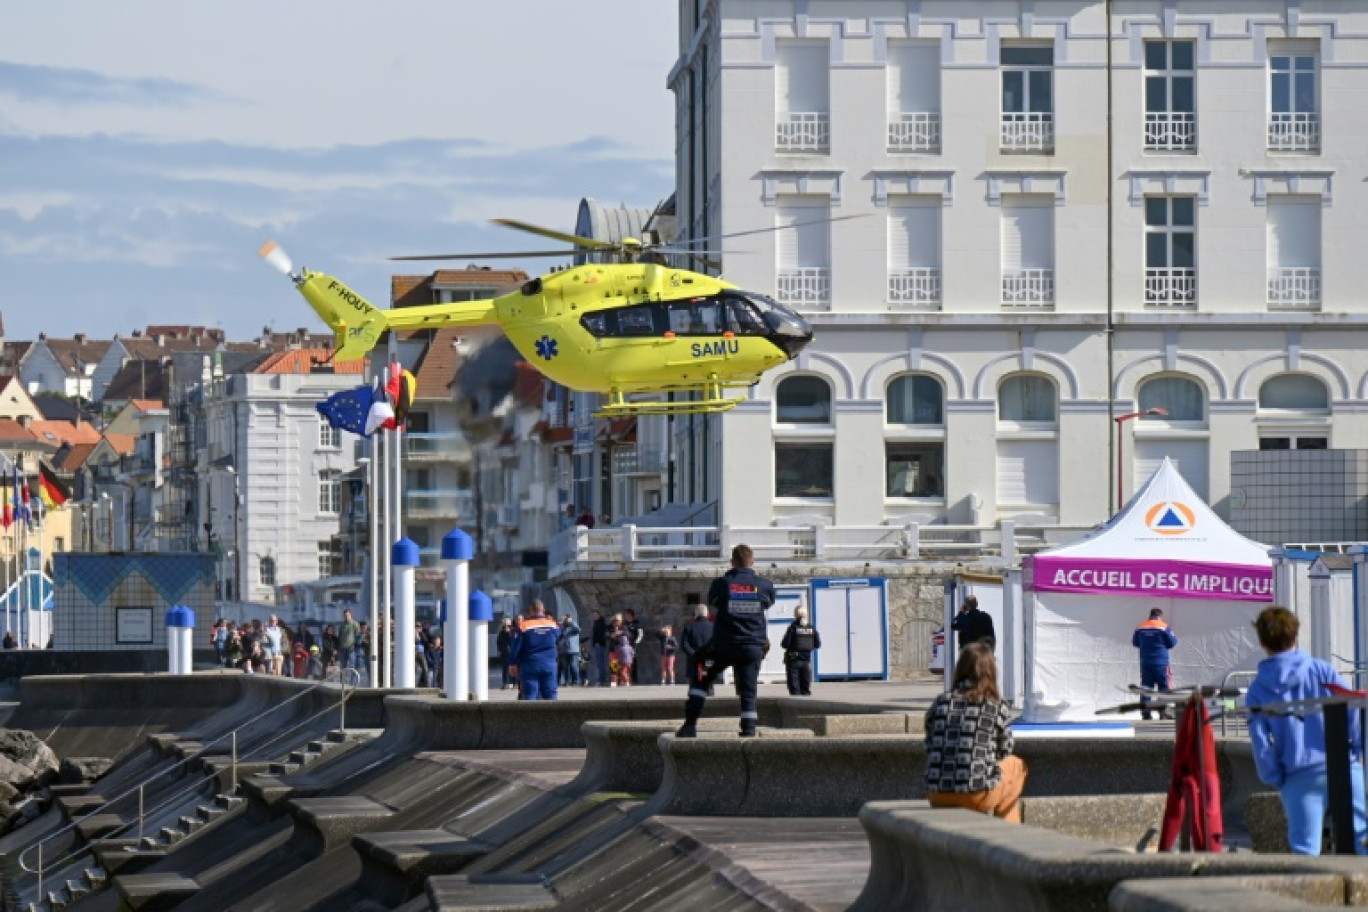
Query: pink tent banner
1164	578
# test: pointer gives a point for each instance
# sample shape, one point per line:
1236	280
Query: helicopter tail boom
359	324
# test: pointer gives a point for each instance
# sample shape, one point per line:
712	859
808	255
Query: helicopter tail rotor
276	258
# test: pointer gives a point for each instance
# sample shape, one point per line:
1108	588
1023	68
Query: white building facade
1060	221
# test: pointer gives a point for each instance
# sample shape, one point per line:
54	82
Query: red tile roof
65	432
123	444
305	361
74	458
12	431
529	386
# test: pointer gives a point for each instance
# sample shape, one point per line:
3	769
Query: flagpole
372	537
403	639
382	552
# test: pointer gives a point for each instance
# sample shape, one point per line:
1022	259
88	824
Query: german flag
53	491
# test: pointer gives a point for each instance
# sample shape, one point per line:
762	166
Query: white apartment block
1045	220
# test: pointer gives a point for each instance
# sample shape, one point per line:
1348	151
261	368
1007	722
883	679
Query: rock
78	770
16	774
26	749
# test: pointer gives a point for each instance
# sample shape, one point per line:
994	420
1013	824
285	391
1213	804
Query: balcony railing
804	286
918	288
1028	289
1294	288
914	131
803	131
1171	288
1028	132
636	461
1171	131
435	447
439	504
1294	132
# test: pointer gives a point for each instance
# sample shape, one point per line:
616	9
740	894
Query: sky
148	148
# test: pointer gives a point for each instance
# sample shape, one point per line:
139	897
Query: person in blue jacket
535	654
1154	638
1289	751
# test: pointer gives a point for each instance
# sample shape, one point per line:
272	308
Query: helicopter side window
743	320
596	324
637	321
699	317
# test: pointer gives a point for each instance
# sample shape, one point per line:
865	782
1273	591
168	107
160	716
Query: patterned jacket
964	742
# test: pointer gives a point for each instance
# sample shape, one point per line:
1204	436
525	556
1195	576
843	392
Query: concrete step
229	802
190	824
96	878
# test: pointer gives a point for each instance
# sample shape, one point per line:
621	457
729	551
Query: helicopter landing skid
711	401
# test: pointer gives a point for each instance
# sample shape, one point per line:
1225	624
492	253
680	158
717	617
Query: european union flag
348	409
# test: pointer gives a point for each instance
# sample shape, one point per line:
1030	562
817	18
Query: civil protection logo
1170	518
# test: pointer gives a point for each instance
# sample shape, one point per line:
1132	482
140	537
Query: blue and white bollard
457	550
481	613
180	640
404	560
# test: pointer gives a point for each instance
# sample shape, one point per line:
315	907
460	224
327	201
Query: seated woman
969	762
1289	751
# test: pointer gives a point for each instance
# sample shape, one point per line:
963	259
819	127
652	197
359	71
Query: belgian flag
53	491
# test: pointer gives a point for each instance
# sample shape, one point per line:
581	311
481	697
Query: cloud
70	86
95	231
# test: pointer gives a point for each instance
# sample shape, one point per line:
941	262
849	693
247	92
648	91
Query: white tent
1083	600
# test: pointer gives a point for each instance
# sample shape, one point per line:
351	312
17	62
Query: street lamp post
1120	441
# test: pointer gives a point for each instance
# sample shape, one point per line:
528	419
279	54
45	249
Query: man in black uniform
739	598
693	639
972	625
800	641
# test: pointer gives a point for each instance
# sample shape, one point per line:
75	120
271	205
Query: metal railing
1170	131
1294	131
1294	288
914	131
70	855
449	502
1027	132
804	286
917	287
435	447
1171	288
1028	289
803	131
707	544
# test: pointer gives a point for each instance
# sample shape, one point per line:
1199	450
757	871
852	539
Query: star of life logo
1170	518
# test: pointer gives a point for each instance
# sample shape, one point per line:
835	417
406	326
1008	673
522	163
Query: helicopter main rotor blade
506	255
735	234
670	248
555	235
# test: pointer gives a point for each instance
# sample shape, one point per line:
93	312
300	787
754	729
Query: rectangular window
802	96
329	437
1171	252
804	251
1293	97
325	559
1294	252
914	469
329	491
1028	279
1170	96
1294	443
914	104
1027	98
914	251
803	470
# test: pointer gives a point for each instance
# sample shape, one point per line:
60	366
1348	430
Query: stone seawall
916	591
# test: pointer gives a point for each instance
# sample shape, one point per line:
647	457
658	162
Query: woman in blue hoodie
1289	751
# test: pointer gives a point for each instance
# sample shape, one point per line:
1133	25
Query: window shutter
1294	231
1027	233
1190	455
914	78
801	77
914	232
1028	473
805	246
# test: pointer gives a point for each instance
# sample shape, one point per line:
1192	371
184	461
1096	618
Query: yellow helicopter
624	329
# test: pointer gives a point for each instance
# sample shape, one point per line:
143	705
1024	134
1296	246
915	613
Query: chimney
159	339
137	333
79	338
24	420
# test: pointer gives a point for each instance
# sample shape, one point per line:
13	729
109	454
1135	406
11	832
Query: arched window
915	399
268	571
803	400
1028	398
1181	398
1296	397
1294	393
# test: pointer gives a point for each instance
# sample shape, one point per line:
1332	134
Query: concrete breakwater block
626	756
886	723
1119	820
335	819
928	859
489	893
154	892
1269	893
415	854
